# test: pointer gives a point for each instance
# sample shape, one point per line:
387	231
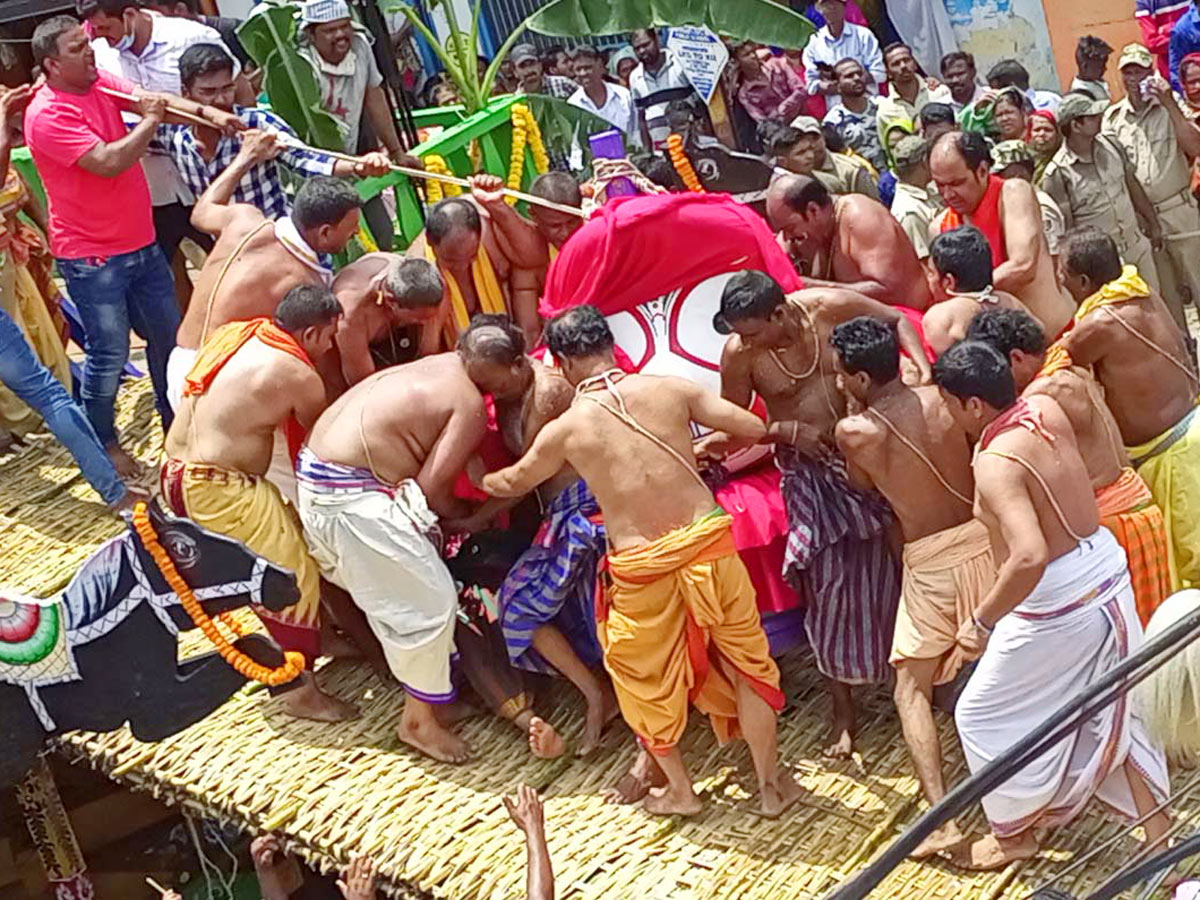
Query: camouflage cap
1074	105
1136	55
909	151
1008	153
807	125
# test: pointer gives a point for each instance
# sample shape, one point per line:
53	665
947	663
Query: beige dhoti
946	577
1179	216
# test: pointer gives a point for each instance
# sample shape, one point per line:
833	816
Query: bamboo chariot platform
436	830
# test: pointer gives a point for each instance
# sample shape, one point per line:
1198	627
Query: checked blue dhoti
840	560
554	582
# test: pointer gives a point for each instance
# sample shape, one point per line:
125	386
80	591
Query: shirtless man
849	577
549	228
1125	333
256	261
1008	214
377	473
251	378
486	269
547	602
959	269
672	563
857	243
1060	614
379	293
903	442
1127	507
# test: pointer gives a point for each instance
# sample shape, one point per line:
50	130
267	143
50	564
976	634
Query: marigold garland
683	165
241	663
436	190
516	160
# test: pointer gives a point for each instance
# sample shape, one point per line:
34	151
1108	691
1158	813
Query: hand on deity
808	440
14	101
359	881
487	189
714	447
525	809
972	638
372	164
260	146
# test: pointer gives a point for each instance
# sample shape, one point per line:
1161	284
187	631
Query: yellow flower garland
242	664
683	165
436	190
526	134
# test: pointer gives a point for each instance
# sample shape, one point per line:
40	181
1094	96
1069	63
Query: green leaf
764	21
270	38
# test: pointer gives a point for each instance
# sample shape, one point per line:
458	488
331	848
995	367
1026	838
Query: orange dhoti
1128	510
674	608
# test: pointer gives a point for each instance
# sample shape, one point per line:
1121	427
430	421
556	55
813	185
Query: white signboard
702	55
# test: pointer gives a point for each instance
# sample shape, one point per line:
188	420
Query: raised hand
525	809
487	189
374	163
13	102
228	123
259	146
359	881
152	106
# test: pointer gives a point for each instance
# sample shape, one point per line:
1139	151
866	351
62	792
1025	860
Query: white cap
318	12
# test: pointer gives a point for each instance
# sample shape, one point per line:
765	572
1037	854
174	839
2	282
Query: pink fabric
90	215
637	248
918	322
778	94
760	528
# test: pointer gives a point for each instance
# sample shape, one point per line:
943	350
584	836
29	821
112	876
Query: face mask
125	43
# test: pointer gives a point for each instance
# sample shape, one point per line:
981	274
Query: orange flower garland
241	663
683	165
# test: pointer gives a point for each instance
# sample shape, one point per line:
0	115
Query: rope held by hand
241	663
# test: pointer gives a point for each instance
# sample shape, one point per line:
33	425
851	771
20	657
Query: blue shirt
1185	39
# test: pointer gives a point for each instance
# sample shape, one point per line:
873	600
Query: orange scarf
986	218
1019	415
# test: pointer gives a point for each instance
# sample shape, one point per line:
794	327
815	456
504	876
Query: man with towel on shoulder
678	620
902	441
1059	616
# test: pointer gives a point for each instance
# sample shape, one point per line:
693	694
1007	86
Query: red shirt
90	215
986	218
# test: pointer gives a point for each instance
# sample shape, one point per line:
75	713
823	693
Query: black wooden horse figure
104	652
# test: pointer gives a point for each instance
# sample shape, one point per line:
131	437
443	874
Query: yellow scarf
1130	286
487	288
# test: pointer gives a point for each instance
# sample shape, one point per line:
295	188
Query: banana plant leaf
270	37
764	21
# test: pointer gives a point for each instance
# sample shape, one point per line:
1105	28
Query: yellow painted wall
1068	20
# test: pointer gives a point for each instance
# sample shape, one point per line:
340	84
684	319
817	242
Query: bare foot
947	837
665	802
544	741
990	853
309	702
127	467
599	713
433	740
636	783
843	744
458	711
777	798
133	496
336	644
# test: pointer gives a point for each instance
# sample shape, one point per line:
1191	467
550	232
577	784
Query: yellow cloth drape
24	303
676	607
487	289
1130	286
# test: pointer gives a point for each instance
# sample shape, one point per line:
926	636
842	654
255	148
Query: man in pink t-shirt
101	223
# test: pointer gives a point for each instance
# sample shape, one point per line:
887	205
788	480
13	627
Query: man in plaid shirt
206	72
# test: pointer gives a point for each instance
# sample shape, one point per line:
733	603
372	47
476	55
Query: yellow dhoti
675	608
251	510
23	301
946	576
1170	466
1128	510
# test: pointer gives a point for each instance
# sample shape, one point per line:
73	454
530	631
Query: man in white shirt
144	47
959	74
610	102
907	92
351	88
836	41
657	80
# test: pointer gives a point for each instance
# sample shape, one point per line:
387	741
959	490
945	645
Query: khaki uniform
1053	222
1149	141
914	208
1093	192
842	175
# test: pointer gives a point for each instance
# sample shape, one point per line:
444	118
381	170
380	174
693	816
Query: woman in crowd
1010	115
1044	138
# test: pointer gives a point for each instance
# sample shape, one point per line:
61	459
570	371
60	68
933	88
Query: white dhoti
370	539
1077	625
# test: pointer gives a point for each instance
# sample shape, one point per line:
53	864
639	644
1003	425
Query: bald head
960	163
492	349
454	229
800	207
557	187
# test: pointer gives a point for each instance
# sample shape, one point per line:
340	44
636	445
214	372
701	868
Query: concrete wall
1068	20
993	30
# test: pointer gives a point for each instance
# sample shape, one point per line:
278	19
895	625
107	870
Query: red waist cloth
986	218
918	322
760	529
634	249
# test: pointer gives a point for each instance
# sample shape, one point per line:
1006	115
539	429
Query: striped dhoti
841	562
554	582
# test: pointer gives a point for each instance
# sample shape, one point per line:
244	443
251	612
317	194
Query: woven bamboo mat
438	830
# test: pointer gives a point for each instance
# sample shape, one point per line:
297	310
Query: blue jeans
32	382
131	290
